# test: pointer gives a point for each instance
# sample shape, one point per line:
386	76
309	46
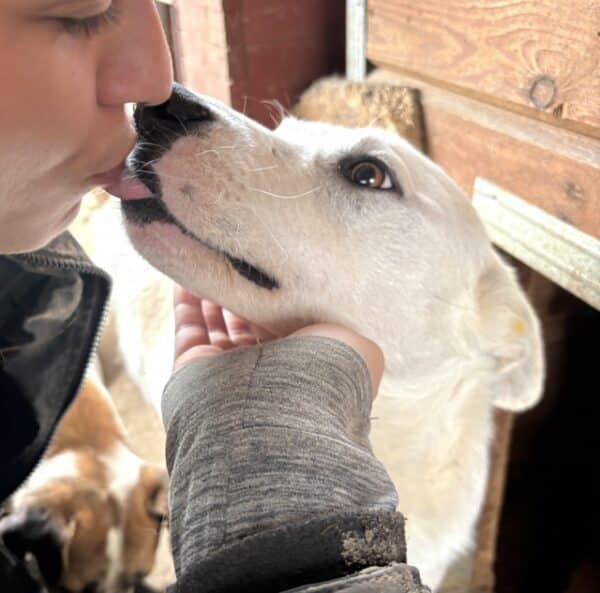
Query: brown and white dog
90	513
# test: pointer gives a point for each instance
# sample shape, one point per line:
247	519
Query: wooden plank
277	49
200	47
538	57
569	144
562	187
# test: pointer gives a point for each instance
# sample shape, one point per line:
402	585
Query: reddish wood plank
277	49
564	188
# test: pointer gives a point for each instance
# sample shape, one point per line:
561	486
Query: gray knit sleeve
267	435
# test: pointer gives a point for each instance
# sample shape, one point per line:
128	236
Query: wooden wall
246	52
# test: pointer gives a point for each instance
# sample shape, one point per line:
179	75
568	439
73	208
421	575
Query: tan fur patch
91	422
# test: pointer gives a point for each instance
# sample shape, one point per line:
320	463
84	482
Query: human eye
89	25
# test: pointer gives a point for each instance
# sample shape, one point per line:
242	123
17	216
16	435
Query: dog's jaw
153	210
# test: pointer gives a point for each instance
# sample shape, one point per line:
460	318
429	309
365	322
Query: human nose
136	64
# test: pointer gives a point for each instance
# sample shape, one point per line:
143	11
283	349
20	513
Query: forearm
269	445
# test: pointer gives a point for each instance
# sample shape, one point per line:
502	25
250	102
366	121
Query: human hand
204	329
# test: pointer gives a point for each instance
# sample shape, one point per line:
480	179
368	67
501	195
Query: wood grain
562	187
541	57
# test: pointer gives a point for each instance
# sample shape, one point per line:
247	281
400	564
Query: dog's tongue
128	187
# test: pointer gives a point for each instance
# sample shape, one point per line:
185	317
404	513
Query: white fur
114	552
414	272
124	472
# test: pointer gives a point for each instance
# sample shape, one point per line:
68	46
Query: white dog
314	222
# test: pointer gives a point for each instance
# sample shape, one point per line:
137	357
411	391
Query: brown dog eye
370	174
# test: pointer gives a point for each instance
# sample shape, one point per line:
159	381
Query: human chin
54	226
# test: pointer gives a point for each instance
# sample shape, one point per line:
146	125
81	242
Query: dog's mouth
148	210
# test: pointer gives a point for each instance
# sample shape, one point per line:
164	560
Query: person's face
67	68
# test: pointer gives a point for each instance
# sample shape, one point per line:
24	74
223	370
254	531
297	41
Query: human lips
122	183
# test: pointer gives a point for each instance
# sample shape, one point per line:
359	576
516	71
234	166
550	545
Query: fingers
198	322
190	327
212	324
239	330
215	324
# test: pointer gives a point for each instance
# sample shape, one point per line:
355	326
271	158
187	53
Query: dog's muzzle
158	127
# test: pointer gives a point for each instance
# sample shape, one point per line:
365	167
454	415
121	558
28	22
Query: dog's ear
35	532
511	341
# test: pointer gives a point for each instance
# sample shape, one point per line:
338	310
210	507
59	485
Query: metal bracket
559	251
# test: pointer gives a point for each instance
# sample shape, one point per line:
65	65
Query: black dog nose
178	114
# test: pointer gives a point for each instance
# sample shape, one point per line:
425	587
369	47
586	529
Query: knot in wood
542	92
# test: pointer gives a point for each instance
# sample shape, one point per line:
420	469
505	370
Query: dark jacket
52	302
51	306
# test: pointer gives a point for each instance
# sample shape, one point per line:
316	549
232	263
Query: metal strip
356	33
559	251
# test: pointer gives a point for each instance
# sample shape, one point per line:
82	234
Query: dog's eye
370	174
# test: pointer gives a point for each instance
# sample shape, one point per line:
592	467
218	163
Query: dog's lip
122	183
244	268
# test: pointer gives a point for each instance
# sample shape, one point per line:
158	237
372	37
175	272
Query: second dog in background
90	513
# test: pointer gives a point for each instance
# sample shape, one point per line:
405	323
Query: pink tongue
129	188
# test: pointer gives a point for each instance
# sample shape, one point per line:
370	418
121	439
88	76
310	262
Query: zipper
83	268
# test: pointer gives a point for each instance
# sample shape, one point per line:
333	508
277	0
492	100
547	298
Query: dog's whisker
285	197
208	151
270	233
260	169
215	150
374	121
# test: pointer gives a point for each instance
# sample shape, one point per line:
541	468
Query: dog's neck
431	414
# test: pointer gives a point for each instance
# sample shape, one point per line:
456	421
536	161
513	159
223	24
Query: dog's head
314	222
76	536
